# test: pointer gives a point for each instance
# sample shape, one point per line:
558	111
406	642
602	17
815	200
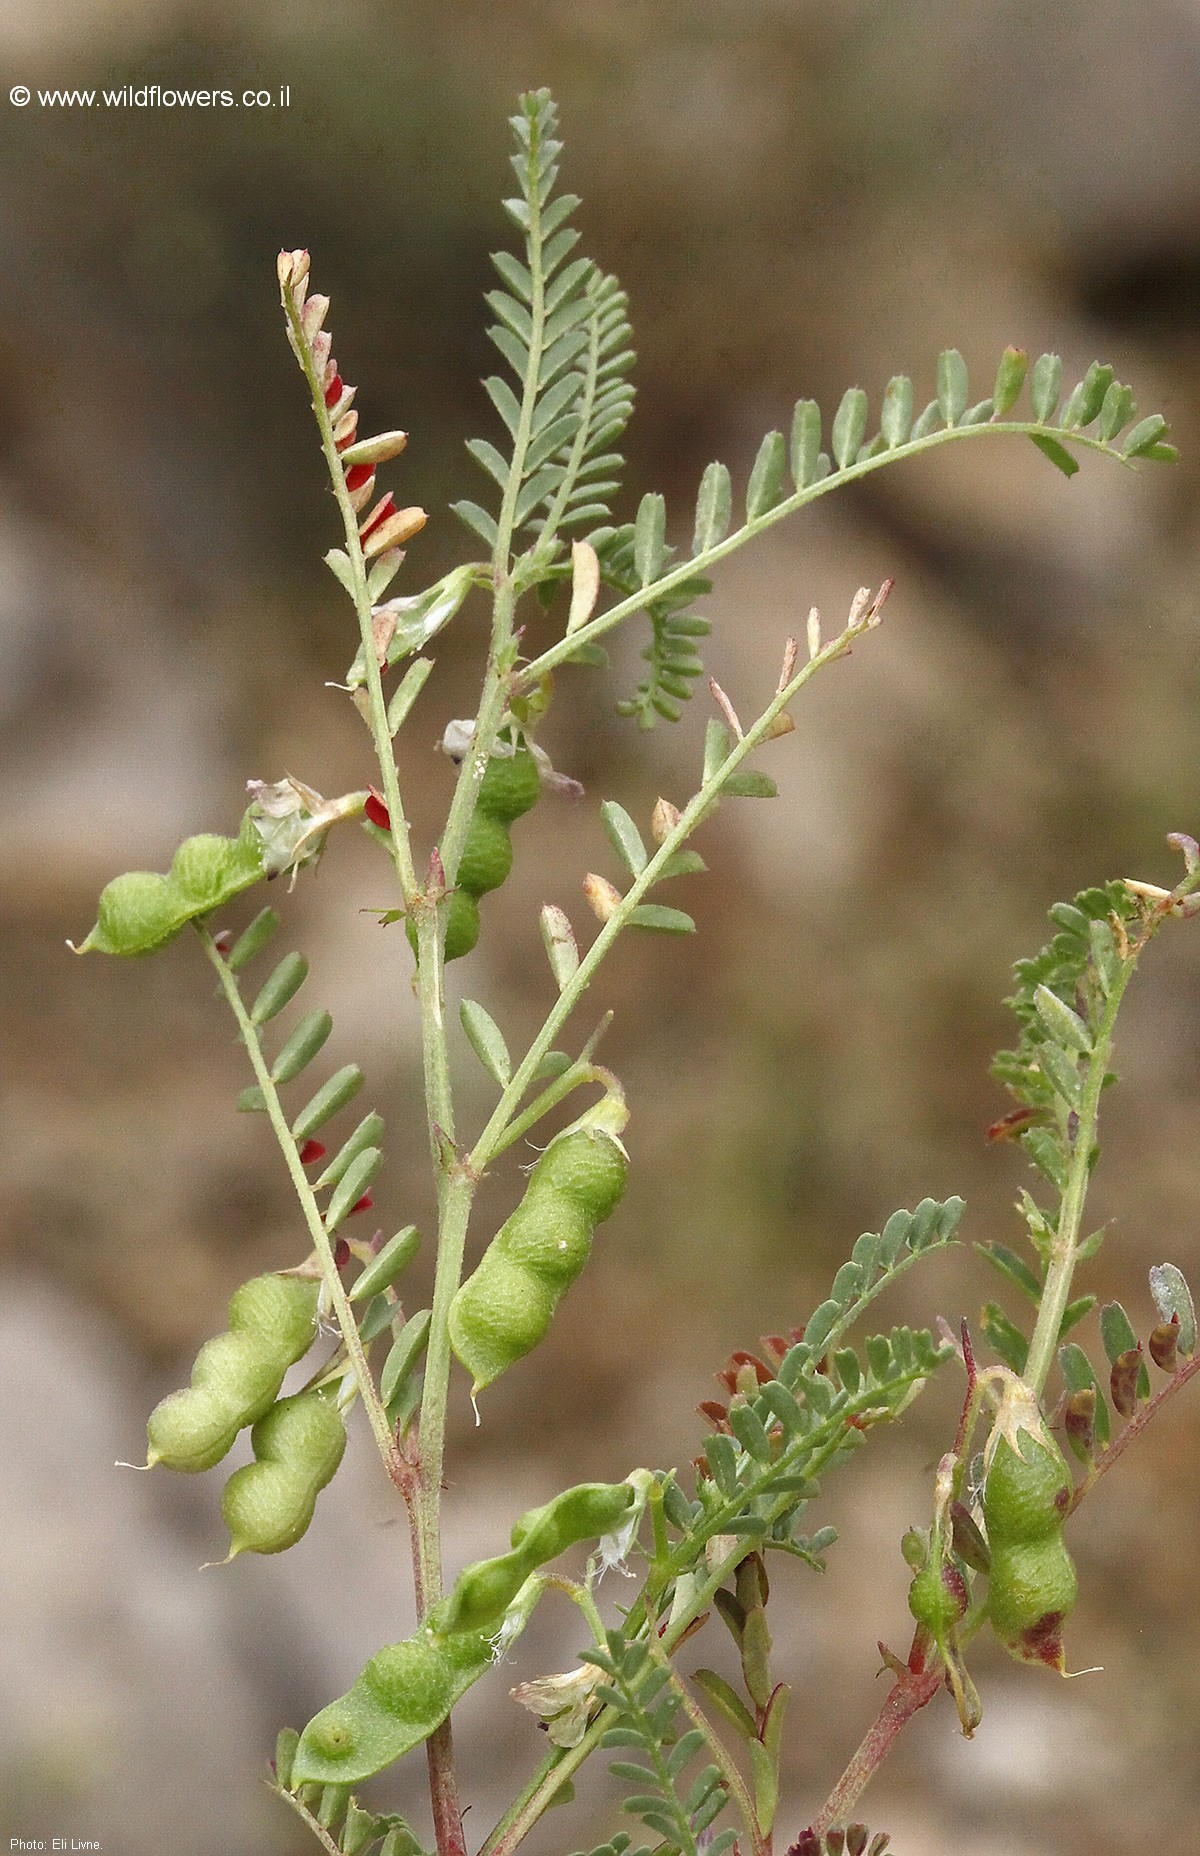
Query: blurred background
798	194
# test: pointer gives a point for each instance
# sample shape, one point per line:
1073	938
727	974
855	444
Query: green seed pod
483	1592
503	1310
1026	1498
237	1376
1031	1593
402	1696
208	870
137	914
937	1599
509	788
297	1447
142	911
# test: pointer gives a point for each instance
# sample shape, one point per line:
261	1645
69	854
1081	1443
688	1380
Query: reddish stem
1135	1427
443	1793
912	1690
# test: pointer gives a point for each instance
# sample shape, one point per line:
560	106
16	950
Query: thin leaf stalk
376	1415
739	1791
1061	1267
377	707
699	564
692	814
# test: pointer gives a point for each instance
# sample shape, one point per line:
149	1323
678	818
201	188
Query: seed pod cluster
509	788
1031	1586
237	1375
143	910
297	1447
402	1696
484	1591
504	1309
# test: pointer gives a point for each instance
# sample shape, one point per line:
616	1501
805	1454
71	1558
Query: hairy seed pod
509	788
1031	1593
237	1376
937	1598
402	1696
504	1309
484	1591
1031	1586
297	1446
140	912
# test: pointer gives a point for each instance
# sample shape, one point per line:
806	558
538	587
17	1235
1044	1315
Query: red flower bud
385	507
357	475
334	390
377	811
361	1205
310	1151
223	941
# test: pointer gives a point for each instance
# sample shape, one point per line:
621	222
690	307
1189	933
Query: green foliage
805	1406
562	329
655	1757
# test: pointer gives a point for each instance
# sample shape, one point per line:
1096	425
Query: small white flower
563	1703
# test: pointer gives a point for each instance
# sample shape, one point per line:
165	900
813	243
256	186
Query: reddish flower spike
310	1151
377	812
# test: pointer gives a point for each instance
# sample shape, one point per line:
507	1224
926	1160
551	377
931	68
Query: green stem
562	1086
565	648
312	1216
1061	1266
377	708
492	1136
722	1758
